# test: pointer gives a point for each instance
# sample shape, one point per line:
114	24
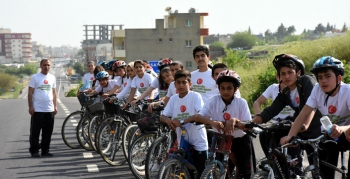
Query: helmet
118	64
102	74
296	60
109	64
164	61
102	63
328	62
229	75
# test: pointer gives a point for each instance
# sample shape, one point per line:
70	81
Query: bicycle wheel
127	135
213	171
98	132
172	169
260	175
110	143
82	133
92	130
137	153
69	128
156	155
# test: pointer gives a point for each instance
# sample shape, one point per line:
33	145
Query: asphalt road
15	159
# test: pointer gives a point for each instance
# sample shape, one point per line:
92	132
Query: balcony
119	48
204	31
26	42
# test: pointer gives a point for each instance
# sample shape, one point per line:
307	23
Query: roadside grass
14	94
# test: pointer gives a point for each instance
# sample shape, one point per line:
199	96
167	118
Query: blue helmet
328	62
102	74
109	64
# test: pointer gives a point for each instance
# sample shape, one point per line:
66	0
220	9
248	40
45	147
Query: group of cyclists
210	96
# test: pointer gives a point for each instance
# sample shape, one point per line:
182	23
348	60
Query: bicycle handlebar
297	140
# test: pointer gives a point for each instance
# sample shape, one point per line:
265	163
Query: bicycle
278	163
216	168
314	168
177	164
69	126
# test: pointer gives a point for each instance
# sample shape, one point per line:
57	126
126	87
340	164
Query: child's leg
242	148
199	157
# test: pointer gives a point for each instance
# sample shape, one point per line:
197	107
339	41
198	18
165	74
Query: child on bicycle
286	114
215	71
225	108
181	109
328	97
174	67
291	70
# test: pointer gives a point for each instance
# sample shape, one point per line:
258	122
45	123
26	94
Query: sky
60	22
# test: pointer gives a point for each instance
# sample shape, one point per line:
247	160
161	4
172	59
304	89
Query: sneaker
35	155
48	154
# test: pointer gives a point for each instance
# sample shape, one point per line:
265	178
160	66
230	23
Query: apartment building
175	36
118	44
16	47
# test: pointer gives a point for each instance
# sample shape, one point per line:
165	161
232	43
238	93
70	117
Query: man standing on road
42	102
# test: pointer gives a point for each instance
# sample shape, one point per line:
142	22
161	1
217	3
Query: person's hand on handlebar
230	126
285	139
217	125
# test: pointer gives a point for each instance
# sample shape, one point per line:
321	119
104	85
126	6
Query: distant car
75	77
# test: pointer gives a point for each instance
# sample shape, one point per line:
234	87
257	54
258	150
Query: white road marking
88	155
73	120
92	168
75	124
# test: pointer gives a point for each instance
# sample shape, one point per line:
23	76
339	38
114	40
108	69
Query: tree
80	52
328	27
242	39
345	28
320	29
217	46
291	30
249	31
39	54
304	32
268	35
79	68
281	32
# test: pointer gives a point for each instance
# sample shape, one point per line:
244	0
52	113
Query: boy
181	108
216	69
299	86
226	108
203	83
328	97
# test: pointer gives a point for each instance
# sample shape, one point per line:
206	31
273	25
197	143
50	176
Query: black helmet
296	59
328	62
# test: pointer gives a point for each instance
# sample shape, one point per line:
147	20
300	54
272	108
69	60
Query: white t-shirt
161	92
42	96
111	84
122	82
87	77
271	93
116	78
215	110
338	106
126	90
203	83
141	84
182	108
171	90
294	97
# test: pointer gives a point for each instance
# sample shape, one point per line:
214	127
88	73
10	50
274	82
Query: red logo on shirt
332	109
199	81
46	82
91	78
141	84
183	108
176	92
125	84
298	100
226	116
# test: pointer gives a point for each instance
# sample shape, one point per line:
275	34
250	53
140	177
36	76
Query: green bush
232	58
73	92
27	69
7	81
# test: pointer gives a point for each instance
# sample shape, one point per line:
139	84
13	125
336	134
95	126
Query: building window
160	40
13	36
19	36
7	36
19	45
188	23
188	64
188	43
170	39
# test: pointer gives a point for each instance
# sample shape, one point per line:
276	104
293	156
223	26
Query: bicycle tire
168	169
82	133
69	128
156	156
110	138
260	175
127	135
92	130
137	153
97	141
